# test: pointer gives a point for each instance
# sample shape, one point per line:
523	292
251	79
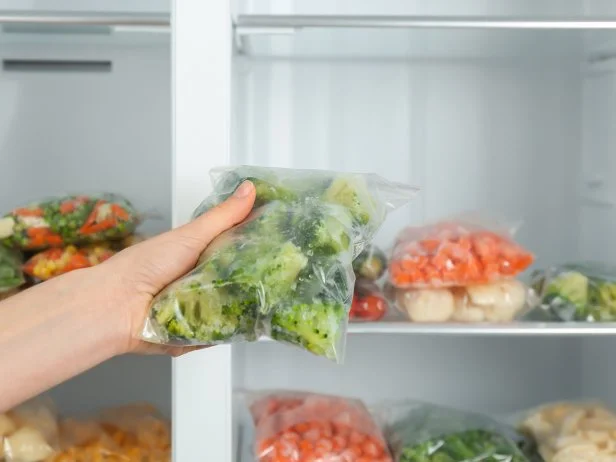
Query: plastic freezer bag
305	427
460	252
286	272
68	220
576	292
494	302
131	433
369	303
54	262
420	432
29	432
11	275
572	432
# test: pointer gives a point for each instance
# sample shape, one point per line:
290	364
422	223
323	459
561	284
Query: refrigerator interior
514	123
102	123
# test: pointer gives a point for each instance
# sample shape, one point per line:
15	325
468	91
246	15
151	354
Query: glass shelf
414	37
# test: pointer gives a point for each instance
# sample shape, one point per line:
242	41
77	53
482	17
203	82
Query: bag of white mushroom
29	432
496	302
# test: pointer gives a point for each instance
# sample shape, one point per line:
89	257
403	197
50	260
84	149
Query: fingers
219	219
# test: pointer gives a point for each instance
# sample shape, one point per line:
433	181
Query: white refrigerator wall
92	131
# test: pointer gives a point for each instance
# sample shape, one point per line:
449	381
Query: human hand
134	276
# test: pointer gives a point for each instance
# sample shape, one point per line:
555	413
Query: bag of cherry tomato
307	427
54	262
68	220
456	253
369	303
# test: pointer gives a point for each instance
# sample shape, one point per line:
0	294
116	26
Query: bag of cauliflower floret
286	271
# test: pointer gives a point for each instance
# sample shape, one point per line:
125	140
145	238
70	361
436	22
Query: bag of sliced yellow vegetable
67	220
132	433
572	432
29	432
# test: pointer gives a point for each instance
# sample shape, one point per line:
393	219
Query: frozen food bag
460	252
369	303
572	432
29	432
11	274
421	432
494	302
576	292
56	261
305	427
371	264
131	433
68	220
285	272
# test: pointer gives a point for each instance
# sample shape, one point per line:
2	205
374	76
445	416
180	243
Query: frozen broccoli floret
352	192
175	328
319	229
570	287
314	326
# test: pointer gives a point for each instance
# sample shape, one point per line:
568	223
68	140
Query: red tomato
368	307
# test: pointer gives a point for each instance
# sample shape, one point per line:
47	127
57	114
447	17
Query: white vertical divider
202	52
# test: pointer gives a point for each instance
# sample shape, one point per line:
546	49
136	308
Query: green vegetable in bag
286	272
11	275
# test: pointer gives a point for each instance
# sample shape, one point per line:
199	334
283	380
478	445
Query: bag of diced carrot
306	427
68	220
459	252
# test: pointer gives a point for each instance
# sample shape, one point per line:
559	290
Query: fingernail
244	190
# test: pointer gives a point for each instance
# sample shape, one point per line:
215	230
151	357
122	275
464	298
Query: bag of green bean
77	219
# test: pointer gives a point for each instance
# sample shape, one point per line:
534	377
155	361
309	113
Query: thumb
222	217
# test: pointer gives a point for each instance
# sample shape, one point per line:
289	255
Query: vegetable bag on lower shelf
421	432
286	272
307	427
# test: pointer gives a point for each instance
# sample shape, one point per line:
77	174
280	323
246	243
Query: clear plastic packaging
572	432
369	303
495	302
29	432
576	292
68	220
131	433
306	427
456	253
56	261
11	275
420	432
286	272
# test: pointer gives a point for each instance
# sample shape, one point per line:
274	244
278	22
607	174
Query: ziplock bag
54	262
305	427
286	272
11	275
131	433
459	252
572	432
68	220
421	432
494	302
576	292
29	432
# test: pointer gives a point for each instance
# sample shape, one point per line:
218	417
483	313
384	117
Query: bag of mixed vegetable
420	432
11	275
306	427
576	292
286	272
68	220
